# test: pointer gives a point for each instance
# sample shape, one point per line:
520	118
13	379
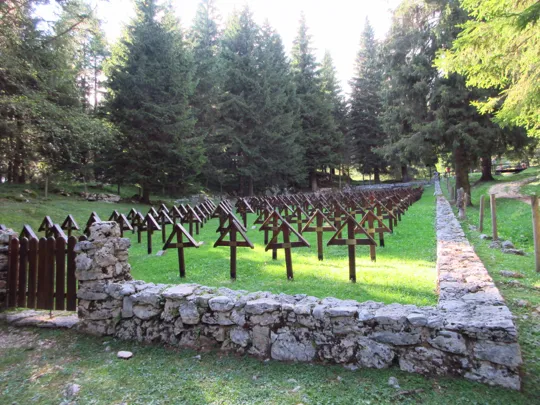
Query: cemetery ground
37	365
404	271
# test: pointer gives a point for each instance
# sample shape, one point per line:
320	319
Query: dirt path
511	190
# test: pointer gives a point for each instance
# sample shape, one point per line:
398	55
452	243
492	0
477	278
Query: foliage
44	127
498	47
150	82
319	137
365	132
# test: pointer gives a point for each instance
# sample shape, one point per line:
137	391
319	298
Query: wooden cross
124	224
131	214
286	230
382	212
152	211
164	219
243	208
175	214
137	222
179	231
93	219
370	218
163	207
70	224
202	215
56	232
271	223
149	225
351	241
265	212
46	224
114	216
192	218
232	229
28	232
299	217
322	224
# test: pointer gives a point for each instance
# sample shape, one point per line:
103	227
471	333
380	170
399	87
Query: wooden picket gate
41	273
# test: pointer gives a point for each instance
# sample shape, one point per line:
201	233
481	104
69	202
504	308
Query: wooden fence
41	273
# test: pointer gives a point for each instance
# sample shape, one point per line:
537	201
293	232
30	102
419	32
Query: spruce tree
332	91
150	82
204	40
319	136
365	131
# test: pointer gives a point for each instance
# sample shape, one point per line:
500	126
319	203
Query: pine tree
407	58
204	39
365	131
150	83
319	137
281	155
332	91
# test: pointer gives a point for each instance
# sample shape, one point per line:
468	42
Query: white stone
124	355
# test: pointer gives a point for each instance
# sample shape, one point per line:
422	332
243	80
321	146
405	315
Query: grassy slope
404	271
514	223
39	371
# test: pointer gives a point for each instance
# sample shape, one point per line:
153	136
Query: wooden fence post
536	231
481	221
493	216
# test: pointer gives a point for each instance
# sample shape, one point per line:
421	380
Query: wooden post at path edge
536	231
481	220
493	207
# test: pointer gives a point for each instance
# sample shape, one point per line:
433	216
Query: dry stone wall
5	237
470	333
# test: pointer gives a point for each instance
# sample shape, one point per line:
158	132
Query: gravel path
511	190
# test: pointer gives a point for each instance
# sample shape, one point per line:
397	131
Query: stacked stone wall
470	333
5	237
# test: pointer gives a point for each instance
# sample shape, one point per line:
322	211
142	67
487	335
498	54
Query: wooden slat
49	285
59	293
42	273
13	270
23	262
71	280
32	272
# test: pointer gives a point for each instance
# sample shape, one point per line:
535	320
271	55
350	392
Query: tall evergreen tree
332	91
150	81
204	39
365	131
319	137
258	107
407	58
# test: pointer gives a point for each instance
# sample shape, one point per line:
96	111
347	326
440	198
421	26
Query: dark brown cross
114	216
93	219
285	229
232	229
46	224
164	219
370	219
351	241
28	232
243	208
70	225
322	224
175	214
149	225
137	222
191	217
179	231
124	224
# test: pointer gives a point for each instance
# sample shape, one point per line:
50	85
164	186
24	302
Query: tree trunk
241	185
250	186
313	181
377	175
146	195
462	170
404	174
486	169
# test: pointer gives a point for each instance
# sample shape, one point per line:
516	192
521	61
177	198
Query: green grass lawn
514	222
36	366
404	271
